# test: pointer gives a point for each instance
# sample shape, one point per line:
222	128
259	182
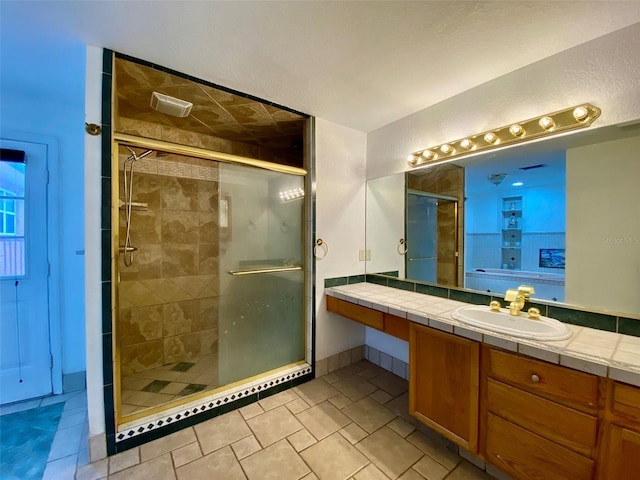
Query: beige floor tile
390	383
160	468
297	406
245	447
334	458
277	462
124	460
310	476
316	391
220	431
166	444
370	472
250	411
369	414
274	425
400	406
278	399
301	440
401	426
330	377
323	419
353	433
93	471
411	474
219	464
186	454
435	450
148	399
381	396
174	388
369	370
389	452
340	401
467	471
429	468
355	387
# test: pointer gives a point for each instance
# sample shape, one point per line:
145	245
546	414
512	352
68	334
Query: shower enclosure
432	226
209	261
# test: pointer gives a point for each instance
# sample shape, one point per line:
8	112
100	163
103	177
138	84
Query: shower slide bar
256	271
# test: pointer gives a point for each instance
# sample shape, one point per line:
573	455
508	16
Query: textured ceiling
358	64
215	112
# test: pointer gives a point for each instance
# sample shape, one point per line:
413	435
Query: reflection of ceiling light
497	178
170	105
517	184
289	195
561	121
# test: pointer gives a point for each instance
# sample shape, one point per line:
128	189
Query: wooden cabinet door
622	458
443	384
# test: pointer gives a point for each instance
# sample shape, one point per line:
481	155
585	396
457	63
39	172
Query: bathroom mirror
561	219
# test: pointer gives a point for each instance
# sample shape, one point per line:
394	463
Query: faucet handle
526	291
511	295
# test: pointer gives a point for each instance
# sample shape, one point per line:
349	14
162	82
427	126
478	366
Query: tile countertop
593	351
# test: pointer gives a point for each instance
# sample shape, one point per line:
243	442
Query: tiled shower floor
160	385
351	424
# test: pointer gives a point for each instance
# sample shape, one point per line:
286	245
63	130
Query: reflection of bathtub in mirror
495	280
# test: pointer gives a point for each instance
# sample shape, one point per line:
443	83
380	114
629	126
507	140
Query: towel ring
403	246
320	243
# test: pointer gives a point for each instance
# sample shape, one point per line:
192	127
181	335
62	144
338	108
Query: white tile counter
599	352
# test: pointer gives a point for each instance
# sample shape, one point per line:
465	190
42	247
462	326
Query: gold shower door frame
120	139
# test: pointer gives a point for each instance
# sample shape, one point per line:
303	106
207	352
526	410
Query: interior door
25	358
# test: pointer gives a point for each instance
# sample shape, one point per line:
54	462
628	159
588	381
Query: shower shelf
255	271
134	205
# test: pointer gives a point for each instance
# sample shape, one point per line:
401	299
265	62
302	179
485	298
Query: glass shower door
261	297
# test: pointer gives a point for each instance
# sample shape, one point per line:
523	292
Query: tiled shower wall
445	180
168	296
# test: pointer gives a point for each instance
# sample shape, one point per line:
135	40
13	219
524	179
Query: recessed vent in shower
531	167
170	105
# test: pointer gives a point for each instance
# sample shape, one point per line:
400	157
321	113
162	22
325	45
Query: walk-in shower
215	293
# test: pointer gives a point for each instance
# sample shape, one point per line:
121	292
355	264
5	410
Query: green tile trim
335	282
402	284
629	326
470	297
356	279
432	290
378	280
585	319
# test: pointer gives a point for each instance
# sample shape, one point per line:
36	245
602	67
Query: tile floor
69	449
351	424
160	385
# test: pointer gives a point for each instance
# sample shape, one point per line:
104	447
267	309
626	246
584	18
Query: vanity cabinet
620	453
539	420
443	383
385	322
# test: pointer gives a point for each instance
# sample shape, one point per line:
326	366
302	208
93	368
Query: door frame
53	245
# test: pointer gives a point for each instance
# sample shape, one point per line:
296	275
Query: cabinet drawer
367	316
569	427
626	401
527	456
561	383
396	326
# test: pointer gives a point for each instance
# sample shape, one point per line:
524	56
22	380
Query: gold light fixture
549	124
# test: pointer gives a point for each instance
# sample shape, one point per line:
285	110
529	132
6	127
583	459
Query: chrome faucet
517	298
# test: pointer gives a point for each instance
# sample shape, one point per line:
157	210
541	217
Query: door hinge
48	177
48	269
51	357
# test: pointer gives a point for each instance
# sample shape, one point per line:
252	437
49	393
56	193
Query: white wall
603	226
604	72
340	217
43	85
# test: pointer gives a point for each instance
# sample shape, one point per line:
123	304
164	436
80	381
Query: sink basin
521	326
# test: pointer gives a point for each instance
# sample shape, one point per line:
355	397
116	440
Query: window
12	218
7	213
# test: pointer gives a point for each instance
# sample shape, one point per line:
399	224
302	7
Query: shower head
134	156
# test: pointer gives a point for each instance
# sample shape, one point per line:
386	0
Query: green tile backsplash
584	318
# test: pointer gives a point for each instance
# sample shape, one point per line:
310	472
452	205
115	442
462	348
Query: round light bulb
412	159
581	113
490	137
428	155
547	123
516	130
446	149
466	143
